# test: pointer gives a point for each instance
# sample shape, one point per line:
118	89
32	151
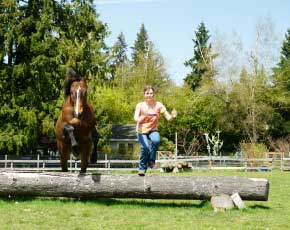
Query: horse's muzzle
77	115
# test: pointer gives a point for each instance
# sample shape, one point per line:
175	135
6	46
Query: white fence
192	163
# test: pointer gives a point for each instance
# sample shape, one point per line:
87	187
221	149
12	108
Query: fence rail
213	163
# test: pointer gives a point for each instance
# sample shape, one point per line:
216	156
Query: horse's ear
86	78
71	74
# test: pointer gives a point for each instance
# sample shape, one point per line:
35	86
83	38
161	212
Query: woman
146	115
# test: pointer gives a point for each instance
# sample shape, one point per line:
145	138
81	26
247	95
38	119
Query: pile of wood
175	166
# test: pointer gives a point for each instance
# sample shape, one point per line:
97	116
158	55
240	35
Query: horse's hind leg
95	139
84	163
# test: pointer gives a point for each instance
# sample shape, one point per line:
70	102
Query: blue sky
171	23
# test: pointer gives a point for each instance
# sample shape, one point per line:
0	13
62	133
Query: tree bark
131	186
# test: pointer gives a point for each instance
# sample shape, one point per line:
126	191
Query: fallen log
60	184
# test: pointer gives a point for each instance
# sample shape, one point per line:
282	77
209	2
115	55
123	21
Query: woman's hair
148	87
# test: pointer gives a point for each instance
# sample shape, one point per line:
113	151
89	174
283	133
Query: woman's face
148	95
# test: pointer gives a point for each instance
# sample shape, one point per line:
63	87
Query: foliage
281	91
119	50
38	40
201	63
252	150
141	45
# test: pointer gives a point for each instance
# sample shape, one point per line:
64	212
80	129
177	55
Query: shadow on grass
258	206
150	203
115	201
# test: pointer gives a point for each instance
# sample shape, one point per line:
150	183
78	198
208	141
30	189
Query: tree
38	40
119	50
119	57
281	91
141	46
201	63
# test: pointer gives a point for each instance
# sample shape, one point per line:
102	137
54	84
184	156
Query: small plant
214	144
253	150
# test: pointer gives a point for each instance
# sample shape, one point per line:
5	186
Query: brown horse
75	126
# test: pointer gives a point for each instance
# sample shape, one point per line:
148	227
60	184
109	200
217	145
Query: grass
61	213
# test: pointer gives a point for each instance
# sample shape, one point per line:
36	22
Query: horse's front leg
64	150
86	150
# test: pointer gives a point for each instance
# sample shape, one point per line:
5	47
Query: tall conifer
141	45
201	64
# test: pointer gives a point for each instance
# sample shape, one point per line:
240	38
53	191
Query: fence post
70	163
281	164
176	146
106	160
37	162
246	164
5	161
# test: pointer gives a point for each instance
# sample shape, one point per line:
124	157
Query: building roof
123	132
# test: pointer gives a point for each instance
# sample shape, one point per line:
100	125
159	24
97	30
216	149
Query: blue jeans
149	146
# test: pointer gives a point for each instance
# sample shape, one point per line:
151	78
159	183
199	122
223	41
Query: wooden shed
124	140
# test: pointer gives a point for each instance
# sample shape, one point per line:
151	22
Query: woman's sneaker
141	172
151	165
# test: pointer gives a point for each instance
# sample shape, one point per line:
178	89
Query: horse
75	127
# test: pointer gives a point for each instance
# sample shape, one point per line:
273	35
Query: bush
252	150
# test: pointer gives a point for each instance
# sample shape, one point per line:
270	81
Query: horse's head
78	94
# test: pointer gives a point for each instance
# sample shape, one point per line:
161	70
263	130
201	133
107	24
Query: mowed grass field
73	214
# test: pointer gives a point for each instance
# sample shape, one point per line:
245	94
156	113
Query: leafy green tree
201	64
38	40
249	112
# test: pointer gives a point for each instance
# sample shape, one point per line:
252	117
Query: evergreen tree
281	91
285	53
281	72
201	63
141	46
38	40
119	50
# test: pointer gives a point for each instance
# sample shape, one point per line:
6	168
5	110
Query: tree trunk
131	186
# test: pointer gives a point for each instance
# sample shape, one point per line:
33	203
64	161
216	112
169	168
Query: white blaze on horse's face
78	101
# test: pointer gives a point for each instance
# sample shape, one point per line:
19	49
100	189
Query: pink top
151	114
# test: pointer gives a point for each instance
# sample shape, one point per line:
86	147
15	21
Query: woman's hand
141	118
174	113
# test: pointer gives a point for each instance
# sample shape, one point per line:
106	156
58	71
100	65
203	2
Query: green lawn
52	213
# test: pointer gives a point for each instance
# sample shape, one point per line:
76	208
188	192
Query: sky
171	24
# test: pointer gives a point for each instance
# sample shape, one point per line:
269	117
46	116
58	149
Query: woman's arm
137	117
